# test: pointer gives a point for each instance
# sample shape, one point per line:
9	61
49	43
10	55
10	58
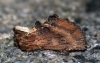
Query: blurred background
26	12
85	13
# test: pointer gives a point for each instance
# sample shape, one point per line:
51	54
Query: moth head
20	28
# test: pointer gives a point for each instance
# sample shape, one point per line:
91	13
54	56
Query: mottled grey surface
26	12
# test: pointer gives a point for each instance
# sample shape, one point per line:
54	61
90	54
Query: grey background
84	13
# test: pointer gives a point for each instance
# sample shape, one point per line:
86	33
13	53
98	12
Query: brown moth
54	34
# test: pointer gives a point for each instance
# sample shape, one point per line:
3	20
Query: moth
54	34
